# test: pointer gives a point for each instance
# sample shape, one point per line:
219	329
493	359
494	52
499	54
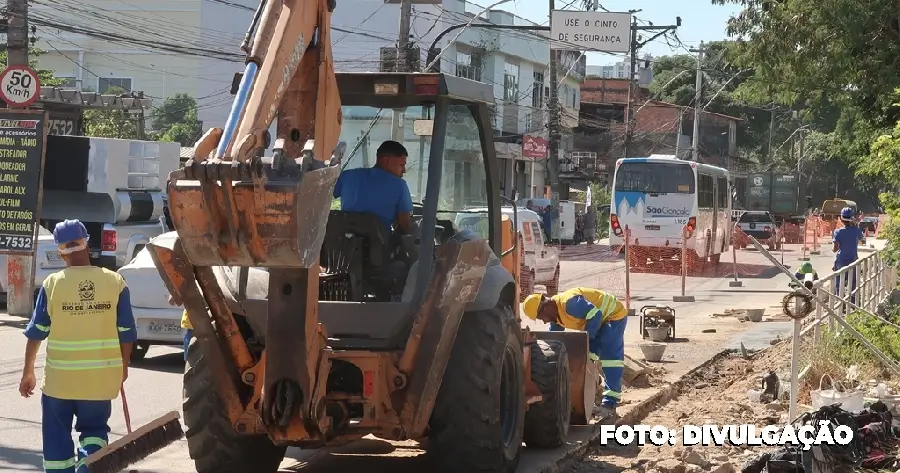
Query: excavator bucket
585	373
221	224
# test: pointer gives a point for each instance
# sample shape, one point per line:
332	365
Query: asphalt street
154	385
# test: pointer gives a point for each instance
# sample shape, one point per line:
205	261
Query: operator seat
356	258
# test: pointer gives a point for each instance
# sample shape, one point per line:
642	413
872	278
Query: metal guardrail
874	281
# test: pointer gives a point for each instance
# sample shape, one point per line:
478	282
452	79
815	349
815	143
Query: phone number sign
21	158
19	86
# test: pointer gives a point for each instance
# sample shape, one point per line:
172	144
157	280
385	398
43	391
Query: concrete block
803	258
683	299
735	284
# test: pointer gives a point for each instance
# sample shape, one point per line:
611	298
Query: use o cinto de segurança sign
590	31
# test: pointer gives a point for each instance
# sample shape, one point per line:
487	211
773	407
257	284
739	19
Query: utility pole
553	135
629	108
636	44
678	134
17	32
403	40
698	96
771	133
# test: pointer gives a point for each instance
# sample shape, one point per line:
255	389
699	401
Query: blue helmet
847	213
68	231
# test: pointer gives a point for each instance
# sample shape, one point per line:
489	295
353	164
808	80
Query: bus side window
705	191
722	193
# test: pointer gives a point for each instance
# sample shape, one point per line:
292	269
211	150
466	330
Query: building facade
166	47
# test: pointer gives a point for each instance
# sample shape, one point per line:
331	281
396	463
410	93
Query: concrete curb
637	413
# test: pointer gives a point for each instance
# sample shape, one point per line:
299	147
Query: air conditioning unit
389	59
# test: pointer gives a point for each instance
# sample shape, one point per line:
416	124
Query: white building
621	70
165	47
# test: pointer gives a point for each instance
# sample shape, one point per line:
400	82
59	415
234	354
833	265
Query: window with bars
537	90
468	65
511	82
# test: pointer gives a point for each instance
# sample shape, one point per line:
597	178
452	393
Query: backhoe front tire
547	422
212	442
479	415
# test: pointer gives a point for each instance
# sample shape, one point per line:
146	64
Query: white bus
657	197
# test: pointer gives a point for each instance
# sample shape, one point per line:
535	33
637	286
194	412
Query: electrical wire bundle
798	311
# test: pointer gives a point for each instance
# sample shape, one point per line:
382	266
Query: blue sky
700	20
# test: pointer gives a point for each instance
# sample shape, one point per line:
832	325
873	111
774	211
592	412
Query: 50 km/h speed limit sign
19	86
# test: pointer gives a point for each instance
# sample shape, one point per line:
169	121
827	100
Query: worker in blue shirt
84	313
379	190
603	317
846	248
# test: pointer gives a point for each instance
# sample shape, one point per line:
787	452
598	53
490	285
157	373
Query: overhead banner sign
590	31
534	147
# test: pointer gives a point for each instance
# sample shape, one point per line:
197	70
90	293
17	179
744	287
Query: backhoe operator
380	189
603	317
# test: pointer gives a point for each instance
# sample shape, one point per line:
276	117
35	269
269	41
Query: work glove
594	357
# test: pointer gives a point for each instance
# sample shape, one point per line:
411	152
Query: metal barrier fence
865	283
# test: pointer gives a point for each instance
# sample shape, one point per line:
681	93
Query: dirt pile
715	395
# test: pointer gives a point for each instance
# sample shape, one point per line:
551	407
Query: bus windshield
655	178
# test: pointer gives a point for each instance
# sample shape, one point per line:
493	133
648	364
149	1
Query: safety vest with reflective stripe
604	303
84	358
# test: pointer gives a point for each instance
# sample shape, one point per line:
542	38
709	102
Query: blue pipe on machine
237	107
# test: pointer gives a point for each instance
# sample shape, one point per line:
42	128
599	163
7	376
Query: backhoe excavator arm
232	207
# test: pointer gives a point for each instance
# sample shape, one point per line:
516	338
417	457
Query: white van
540	264
566	217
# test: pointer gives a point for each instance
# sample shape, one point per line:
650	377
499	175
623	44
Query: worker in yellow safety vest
188	332
603	317
84	313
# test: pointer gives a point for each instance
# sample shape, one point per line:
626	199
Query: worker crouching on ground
84	313
807	275
603	317
185	326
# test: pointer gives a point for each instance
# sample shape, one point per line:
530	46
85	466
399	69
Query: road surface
154	386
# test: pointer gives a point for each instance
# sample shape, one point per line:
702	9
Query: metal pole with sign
23	143
579	31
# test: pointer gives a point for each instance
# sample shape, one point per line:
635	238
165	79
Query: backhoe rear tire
547	422
212	442
479	414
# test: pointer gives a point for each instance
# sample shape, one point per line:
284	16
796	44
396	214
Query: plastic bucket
653	352
658	334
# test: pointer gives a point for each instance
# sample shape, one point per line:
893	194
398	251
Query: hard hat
806	267
532	305
847	213
67	231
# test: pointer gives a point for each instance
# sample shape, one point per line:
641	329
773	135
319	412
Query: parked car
158	322
868	223
760	225
540	264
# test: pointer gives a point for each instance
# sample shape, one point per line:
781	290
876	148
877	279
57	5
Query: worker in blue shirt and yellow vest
188	332
603	317
84	313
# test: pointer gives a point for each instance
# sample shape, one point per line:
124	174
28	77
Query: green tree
44	75
834	61
176	120
107	123
674	81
